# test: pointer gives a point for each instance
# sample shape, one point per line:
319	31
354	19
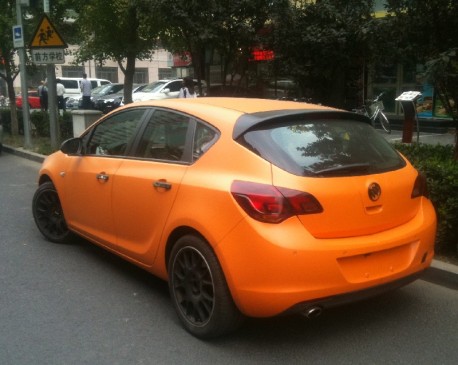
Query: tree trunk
13	109
129	73
455	154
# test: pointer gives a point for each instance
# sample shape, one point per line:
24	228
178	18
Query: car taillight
420	187
270	204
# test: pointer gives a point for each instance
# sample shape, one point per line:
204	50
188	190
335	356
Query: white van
73	85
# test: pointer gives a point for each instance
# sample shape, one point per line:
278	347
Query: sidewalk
429	138
440	272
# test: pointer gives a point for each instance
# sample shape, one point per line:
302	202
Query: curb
439	272
442	273
21	152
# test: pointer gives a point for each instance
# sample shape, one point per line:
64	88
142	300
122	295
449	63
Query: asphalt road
76	304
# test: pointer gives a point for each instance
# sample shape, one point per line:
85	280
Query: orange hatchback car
247	207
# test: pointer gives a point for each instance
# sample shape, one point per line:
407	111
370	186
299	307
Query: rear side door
146	186
90	177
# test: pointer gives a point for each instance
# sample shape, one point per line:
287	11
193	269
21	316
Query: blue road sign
18	36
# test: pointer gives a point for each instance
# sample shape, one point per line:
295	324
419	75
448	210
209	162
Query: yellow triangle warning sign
47	36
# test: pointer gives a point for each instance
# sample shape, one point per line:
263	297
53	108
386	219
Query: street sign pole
47	47
52	105
52	98
24	90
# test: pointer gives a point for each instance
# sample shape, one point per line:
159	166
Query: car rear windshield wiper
356	168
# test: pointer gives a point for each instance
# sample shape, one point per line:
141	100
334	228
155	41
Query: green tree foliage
31	16
120	30
423	29
426	31
8	69
324	45
228	29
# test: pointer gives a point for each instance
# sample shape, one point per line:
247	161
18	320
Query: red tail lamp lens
420	187
270	204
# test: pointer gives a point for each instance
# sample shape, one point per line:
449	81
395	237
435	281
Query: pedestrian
60	91
43	95
187	91
86	89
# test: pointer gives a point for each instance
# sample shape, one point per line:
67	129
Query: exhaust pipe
312	312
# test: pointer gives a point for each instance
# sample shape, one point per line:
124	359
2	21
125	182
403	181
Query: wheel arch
44	178
175	235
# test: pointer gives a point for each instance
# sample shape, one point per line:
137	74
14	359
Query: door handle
102	177
162	184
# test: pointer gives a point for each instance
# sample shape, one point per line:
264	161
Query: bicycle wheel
384	122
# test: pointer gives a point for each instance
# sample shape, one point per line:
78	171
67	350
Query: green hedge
441	172
40	121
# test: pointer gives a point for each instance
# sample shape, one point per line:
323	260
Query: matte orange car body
269	268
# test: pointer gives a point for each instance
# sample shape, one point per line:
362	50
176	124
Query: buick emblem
374	191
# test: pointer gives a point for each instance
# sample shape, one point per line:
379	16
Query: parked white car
73	85
162	89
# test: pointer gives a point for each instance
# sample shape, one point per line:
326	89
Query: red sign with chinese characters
182	59
262	55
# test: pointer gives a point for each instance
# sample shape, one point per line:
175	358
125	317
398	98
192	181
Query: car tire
199	290
48	214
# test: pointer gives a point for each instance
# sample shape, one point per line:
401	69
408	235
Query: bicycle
374	110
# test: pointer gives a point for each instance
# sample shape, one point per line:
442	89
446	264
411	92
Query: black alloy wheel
48	214
199	291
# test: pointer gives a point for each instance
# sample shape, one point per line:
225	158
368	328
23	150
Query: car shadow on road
120	266
385	310
346	320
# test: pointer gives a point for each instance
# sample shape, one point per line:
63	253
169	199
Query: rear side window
164	137
324	148
70	84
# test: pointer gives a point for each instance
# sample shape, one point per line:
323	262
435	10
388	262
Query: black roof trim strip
250	121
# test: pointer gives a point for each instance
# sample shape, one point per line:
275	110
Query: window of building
108	73
72	71
141	76
166	73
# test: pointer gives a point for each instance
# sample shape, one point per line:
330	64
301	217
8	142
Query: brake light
270	204
420	187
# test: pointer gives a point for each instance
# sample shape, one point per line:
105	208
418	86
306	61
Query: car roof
248	112
240	105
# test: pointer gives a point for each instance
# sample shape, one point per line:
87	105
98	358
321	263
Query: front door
89	180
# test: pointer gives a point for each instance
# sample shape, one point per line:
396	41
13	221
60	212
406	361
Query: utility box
82	119
408	103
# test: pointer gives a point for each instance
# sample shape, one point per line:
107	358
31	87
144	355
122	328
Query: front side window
112	136
324	148
175	86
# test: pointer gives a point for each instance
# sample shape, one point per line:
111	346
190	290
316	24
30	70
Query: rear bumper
282	268
342	299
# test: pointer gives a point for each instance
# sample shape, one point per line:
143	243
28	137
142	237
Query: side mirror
72	146
166	91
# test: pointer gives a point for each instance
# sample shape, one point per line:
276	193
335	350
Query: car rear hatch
362	184
356	205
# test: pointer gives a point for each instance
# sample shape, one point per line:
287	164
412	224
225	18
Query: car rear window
323	148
